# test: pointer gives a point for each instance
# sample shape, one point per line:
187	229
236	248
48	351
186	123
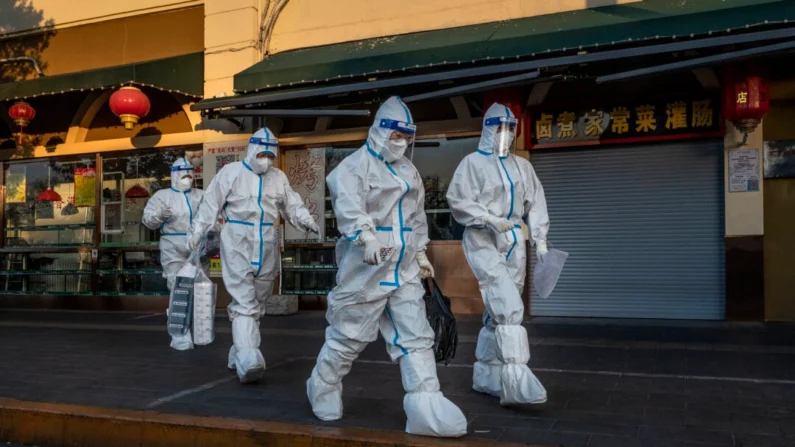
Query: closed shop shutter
644	229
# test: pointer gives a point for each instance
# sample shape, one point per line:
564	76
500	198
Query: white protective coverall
171	211
250	194
490	195
381	203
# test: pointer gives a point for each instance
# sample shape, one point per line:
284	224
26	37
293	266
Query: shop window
127	184
50	203
436	160
128	273
37	273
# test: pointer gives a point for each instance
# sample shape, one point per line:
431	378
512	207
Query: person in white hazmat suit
378	199
172	211
250	195
492	191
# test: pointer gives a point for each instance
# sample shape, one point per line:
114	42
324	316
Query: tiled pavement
610	383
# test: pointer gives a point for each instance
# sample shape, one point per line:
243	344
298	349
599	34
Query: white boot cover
249	362
519	385
428	412
486	374
182	343
324	387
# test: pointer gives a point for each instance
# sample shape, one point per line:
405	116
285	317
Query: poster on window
218	155
85	186
16	188
306	171
780	159
743	170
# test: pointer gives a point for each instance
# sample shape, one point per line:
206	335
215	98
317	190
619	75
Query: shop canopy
506	48
179	74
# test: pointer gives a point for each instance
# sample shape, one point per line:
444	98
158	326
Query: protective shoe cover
249	362
174	229
486	374
182	343
519	385
250	200
486	187
324	387
428	412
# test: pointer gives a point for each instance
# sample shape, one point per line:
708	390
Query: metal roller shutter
644	229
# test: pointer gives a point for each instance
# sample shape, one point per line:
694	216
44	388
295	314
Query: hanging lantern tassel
130	104
22	113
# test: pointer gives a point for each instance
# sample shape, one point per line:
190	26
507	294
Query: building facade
622	119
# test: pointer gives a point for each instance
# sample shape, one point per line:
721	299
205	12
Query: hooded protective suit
250	194
379	203
171	211
490	195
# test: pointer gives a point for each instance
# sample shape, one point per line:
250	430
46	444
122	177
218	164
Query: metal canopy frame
710	42
696	62
471	88
291	112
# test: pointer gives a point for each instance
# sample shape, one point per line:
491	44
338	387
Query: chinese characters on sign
650	119
85	186
743	170
306	170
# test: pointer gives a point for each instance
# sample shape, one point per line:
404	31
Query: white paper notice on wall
217	155
744	170
306	171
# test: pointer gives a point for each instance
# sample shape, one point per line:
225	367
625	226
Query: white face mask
184	184
196	162
394	150
261	165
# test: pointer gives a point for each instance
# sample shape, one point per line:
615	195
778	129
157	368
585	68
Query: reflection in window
50	203
436	160
127	184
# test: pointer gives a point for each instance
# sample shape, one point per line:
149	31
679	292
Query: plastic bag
547	271
180	302
211	247
192	303
442	321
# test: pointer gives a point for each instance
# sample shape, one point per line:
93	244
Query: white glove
499	224
194	240
372	248
311	226
426	269
541	249
165	214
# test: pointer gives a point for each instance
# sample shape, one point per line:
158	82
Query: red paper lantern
130	104
48	195
511	97
22	113
746	100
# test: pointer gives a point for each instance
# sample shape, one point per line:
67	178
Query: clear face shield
504	134
400	142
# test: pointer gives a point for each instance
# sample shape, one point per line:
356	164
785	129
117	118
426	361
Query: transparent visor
265	146
182	171
266	153
400	142
504	135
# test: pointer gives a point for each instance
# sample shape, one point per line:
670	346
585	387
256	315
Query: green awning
645	22
179	74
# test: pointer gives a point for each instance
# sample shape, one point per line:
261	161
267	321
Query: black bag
442	321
